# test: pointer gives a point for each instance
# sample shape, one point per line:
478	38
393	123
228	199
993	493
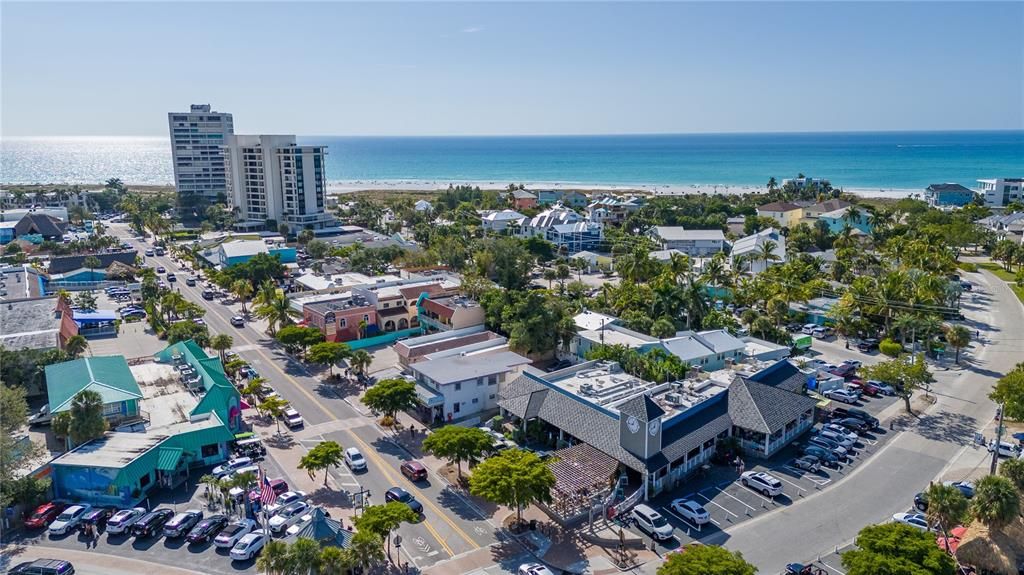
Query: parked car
237	321
691	511
839	450
285	499
912	519
278	486
44	515
121	522
825	456
292	418
965	487
841	431
231	465
534	569
844	369
866	345
282	519
1006	449
652	522
299	524
232	532
859	387
171	278
843	395
209	294
152	522
807	463
762	482
249	545
207	529
854	424
97	518
161	270
921	501
822	332
354	459
69	519
403	496
809	328
558	365
414	470
44	567
883	388
190	281
180	524
841	438
842	412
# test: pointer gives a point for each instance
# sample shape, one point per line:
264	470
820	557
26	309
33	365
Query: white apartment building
273	178
1000	192
197	149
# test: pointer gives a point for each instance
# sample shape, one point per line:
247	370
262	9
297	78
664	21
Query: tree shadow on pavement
280	441
947	427
455	502
330	498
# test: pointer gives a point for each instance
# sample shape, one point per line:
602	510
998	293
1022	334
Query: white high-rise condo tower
197	146
273	178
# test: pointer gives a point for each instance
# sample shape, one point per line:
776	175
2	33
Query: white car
231	465
284	516
842	439
534	569
843	395
841	431
760	481
1006	449
652	522
249	545
691	511
285	499
912	519
292	418
233	532
298	525
68	519
854	362
122	520
354	459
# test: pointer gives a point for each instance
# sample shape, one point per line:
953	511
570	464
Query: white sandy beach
350	186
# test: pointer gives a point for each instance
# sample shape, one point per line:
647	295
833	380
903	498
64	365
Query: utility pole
999	437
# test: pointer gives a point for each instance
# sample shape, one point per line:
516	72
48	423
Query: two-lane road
450	525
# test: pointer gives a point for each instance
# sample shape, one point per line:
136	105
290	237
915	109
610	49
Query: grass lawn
1019	291
998	271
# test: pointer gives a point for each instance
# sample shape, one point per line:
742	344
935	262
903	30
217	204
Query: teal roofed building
121	468
109	376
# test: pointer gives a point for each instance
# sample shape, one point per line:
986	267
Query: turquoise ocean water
889	160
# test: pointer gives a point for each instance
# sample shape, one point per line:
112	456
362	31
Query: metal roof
677	233
462	367
107	375
168	457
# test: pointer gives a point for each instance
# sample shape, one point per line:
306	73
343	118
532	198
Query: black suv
867	345
44	567
152	522
847	412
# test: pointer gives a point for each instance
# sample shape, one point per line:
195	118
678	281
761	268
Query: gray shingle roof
643	407
783	375
764	408
693	431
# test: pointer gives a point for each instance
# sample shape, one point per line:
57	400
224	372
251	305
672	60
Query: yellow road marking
384	468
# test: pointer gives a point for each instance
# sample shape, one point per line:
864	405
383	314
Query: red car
864	387
44	515
414	470
279	486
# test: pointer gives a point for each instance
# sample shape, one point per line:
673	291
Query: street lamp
999	437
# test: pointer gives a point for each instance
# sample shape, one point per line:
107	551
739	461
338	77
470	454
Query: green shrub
890	348
968	266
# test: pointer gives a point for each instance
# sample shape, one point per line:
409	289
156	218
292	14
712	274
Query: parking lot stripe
744	503
709	500
831	568
791	483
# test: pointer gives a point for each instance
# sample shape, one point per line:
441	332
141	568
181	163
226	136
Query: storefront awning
429	397
168	458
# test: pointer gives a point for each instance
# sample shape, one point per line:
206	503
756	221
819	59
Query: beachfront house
786	214
500	220
575	237
540	224
694	243
852	216
523	200
999	192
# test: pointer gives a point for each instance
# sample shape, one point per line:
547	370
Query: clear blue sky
117	68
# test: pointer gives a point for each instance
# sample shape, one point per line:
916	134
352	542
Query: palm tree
773	184
852	215
679	266
273	560
274	406
242	290
250	389
958	336
550	275
947	507
335	561
996	502
221	342
76	345
766	252
278	312
304	557
362	328
266	294
366	549
904	323
92	262
360	360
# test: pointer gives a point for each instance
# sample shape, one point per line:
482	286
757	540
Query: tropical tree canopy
706	560
391	396
897	549
515	478
457	443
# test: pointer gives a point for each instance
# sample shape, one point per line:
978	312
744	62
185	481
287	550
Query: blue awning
94	316
429	397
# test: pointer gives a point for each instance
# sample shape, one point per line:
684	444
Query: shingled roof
764	408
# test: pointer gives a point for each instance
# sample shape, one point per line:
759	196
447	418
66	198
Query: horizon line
572	135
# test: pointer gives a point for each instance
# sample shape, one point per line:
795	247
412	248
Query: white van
652	522
354	459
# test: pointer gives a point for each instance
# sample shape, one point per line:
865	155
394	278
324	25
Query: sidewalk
87	562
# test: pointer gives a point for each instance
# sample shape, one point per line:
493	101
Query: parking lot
729	503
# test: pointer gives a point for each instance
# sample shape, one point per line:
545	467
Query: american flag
267	494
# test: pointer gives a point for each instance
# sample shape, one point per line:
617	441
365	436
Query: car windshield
357	457
404	496
659	521
65	516
232	528
39	514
